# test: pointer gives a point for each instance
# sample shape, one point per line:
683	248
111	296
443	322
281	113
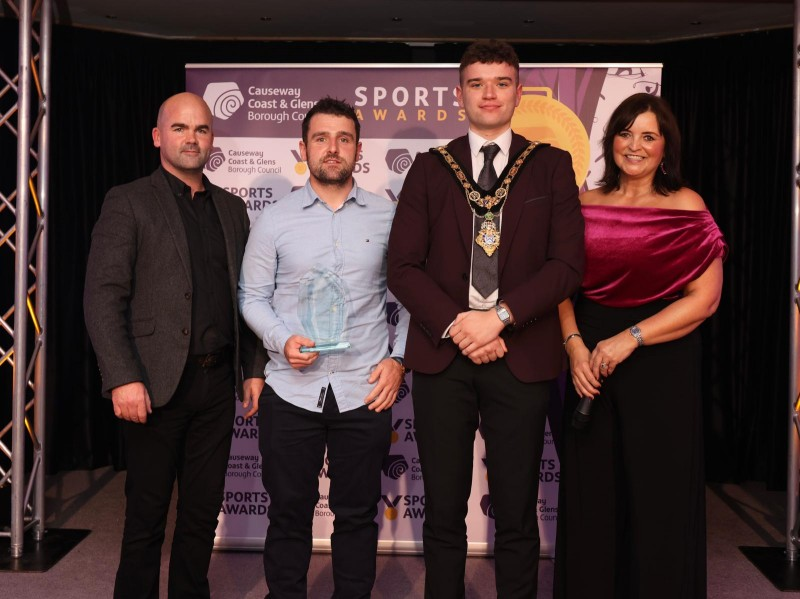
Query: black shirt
212	305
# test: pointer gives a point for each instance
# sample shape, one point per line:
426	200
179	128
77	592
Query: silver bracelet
570	336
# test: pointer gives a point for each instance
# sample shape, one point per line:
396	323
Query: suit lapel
459	149
512	211
232	252
166	200
229	233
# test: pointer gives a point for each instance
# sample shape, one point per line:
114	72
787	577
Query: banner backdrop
404	110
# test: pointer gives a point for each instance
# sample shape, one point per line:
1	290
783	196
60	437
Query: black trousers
188	439
448	408
292	443
631	512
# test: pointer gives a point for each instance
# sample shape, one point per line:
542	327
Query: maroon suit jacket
540	258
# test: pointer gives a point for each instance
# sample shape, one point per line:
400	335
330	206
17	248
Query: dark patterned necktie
484	268
488	175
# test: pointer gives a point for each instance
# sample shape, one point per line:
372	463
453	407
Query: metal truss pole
792	490
42	253
29	280
21	283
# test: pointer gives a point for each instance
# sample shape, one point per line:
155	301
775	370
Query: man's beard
329	176
192	163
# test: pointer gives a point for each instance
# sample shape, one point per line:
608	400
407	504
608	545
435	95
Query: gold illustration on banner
540	117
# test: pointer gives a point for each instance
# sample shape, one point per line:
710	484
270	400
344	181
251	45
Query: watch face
503	314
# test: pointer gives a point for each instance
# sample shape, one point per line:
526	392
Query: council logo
403	392
215	159
486	506
399	160
392	313
394	466
223	98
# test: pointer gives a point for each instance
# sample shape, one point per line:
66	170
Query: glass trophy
321	308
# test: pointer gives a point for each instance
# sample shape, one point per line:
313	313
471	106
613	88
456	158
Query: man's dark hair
328	105
668	178
489	52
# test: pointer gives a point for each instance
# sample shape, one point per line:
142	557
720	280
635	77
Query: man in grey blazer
161	310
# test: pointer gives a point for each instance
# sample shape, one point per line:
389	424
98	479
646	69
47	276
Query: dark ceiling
425	21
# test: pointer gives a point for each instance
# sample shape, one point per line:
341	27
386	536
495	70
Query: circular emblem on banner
541	118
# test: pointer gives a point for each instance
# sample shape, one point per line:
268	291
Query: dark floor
737	515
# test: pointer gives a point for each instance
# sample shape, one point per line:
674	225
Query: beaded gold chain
488	235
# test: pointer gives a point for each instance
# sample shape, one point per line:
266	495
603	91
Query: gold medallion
488	236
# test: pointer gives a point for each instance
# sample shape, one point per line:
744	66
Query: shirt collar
476	142
179	188
310	196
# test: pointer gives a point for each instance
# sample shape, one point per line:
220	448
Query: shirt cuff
276	341
446	334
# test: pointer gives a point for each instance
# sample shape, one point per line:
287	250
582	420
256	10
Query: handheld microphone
582	413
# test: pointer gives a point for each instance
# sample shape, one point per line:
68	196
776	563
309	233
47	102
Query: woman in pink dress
632	506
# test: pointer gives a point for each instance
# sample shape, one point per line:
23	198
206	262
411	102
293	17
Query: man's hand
131	402
388	375
292	352
252	391
490	352
474	329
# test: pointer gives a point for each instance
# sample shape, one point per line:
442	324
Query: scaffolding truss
793	475
23	216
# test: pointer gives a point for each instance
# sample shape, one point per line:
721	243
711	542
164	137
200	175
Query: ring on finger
603	365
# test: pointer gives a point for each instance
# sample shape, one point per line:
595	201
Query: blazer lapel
459	149
229	233
512	211
166	200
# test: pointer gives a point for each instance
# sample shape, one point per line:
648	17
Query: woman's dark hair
622	119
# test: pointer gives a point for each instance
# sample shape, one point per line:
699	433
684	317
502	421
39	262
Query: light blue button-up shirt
292	237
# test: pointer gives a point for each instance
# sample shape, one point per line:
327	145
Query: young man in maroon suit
481	262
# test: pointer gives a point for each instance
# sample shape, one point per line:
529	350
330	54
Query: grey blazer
137	299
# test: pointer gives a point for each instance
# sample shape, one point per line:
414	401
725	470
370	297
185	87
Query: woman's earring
663	170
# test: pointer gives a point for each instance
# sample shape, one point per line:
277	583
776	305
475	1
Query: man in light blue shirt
331	236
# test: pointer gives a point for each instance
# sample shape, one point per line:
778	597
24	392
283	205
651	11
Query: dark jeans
448	407
292	442
188	439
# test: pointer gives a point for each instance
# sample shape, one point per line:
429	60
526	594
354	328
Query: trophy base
325	348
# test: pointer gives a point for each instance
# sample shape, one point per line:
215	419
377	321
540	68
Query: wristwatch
400	361
503	315
637	334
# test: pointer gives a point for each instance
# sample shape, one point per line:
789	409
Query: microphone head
580	420
582	414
